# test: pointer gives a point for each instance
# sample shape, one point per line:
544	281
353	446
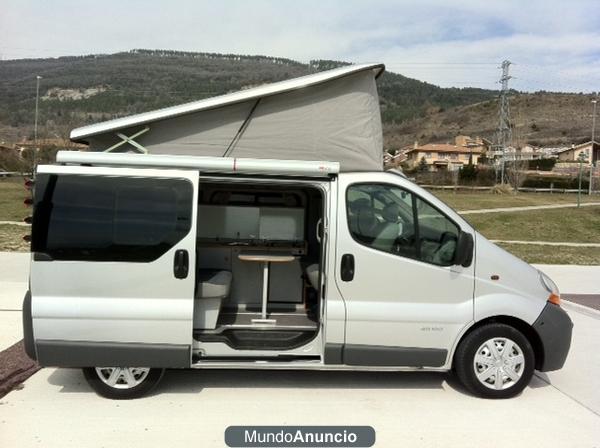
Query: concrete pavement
14	274
57	409
526	208
572	279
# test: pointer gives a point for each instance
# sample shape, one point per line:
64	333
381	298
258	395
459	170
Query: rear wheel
495	361
122	383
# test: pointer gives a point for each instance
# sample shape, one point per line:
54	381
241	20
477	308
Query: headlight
551	287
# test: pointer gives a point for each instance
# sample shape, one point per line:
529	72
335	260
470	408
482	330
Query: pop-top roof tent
330	116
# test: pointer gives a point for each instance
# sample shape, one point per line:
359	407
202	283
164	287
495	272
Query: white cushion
312	271
213	284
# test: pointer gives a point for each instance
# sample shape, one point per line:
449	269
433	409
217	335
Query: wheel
495	361
122	383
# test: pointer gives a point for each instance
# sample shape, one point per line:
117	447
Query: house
527	152
572	154
447	157
482	144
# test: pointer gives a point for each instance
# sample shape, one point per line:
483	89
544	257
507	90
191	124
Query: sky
554	45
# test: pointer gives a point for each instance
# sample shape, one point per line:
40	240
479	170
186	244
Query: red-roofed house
444	156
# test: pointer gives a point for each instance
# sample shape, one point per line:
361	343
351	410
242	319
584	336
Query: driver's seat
389	230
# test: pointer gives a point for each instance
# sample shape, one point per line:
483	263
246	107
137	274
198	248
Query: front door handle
347	268
181	264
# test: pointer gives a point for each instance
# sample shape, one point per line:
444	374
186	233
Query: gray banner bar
300	436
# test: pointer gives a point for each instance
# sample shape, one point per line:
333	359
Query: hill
540	119
80	90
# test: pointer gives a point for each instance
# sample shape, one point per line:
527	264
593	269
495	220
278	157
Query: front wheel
122	383
495	361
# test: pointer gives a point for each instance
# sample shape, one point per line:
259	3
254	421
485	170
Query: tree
468	173
422	165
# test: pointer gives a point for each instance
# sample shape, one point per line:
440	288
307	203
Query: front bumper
554	328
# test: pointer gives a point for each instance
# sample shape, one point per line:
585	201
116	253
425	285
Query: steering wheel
404	240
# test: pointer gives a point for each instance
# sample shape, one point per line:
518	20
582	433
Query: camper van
154	260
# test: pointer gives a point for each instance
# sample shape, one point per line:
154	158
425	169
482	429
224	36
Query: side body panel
517	292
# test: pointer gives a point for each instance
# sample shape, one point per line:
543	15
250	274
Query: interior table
266	258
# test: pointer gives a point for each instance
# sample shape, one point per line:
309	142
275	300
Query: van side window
393	220
98	218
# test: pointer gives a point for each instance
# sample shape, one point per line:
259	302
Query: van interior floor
291	328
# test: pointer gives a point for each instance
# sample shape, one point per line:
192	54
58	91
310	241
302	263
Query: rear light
27	238
28	202
28	219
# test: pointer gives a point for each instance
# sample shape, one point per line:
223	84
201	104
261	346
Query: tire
484	368
127	382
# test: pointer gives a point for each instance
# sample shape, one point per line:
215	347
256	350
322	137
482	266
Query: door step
258	339
196	359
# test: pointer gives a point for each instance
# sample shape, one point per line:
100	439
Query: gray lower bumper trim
96	354
376	355
554	327
384	356
28	327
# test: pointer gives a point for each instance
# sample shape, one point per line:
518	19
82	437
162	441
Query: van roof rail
228	165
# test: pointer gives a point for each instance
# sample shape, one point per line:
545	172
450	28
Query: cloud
555	44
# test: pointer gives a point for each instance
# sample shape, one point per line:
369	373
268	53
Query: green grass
12	194
556	225
554	255
11	238
479	200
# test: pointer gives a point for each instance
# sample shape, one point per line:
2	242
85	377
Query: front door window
391	219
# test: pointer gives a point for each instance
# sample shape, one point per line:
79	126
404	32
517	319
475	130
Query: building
447	157
527	152
572	154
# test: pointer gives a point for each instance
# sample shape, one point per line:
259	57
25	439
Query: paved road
585	300
525	208
57	409
547	243
14	273
15	223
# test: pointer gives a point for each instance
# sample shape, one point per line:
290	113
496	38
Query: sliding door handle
181	264
347	268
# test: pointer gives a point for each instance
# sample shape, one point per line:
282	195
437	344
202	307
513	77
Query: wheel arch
527	330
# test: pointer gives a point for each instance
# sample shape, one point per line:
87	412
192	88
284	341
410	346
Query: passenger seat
213	287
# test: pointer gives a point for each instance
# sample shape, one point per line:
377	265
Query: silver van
142	263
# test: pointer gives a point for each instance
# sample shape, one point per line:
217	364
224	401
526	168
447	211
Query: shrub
502	189
467	174
570	183
542	164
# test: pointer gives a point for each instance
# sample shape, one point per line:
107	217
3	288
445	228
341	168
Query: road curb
590	312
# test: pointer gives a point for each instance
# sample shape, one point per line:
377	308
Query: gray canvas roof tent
332	115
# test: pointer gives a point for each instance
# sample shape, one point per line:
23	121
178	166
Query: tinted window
393	220
108	218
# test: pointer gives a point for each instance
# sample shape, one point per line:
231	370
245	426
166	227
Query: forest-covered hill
85	89
78	90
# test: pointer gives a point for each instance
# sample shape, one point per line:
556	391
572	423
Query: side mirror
464	250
